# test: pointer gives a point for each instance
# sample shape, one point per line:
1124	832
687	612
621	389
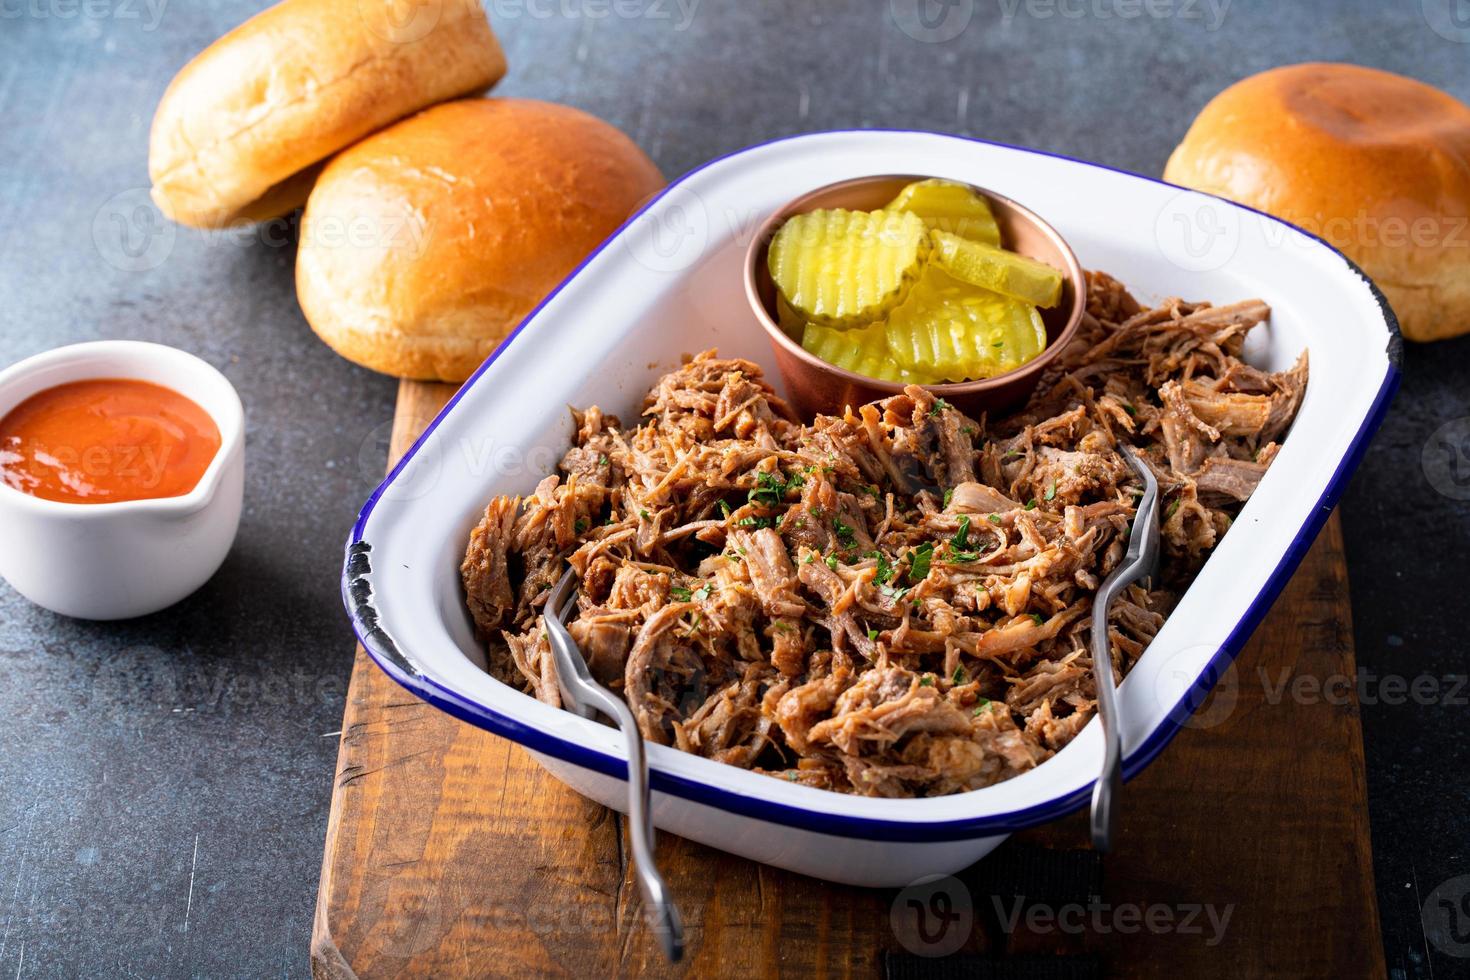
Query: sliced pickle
949	206
845	269
955	331
862	351
791	321
996	269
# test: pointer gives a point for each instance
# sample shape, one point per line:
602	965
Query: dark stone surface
164	782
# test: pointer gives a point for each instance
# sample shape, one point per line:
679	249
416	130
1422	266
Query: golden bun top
425	244
1375	163
296	83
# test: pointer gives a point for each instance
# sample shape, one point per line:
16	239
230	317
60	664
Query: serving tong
581	694
1140	561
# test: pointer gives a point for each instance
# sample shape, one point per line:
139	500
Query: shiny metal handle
581	693
1141	561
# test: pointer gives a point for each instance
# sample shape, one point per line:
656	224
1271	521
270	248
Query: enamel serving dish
669	282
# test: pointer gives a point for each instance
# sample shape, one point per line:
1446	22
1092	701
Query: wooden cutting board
1244	848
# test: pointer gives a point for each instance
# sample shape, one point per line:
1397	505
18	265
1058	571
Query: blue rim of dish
357	597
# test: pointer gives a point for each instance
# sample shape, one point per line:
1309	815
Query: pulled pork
894	601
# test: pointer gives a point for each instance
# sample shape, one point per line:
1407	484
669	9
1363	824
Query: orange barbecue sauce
106	440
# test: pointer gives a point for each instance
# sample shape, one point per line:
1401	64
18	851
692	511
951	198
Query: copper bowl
816	387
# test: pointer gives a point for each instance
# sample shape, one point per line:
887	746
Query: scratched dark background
164	782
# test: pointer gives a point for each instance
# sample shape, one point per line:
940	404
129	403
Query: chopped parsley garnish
948	496
755	522
602	460
832	562
1030	504
872	633
961	539
811	556
919	560
1010	454
1129	409
960	677
702	593
680	593
845	534
1051	491
939	405
884	574
643	514
927	680
981	705
725	509
769	489
581	525
1037	619
1172	508
968	430
994	519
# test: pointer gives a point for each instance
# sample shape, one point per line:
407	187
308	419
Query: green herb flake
725	510
927	680
948	496
1051	491
1031	504
994	519
919	561
702	593
811	556
581	525
1037	619
939	405
832	562
643	514
959	677
872	634
961	539
981	705
845	534
602	460
1172	508
680	593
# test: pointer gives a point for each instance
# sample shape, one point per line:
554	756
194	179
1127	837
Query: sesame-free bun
1375	163
239	128
422	246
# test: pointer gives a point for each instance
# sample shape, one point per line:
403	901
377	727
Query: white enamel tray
669	283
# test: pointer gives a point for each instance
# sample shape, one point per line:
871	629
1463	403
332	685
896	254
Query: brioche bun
425	244
240	126
1375	163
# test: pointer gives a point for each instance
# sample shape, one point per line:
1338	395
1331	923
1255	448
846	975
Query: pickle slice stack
996	269
918	292
952	330
862	351
844	269
949	207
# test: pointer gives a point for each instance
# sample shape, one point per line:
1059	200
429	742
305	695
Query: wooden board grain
1244	847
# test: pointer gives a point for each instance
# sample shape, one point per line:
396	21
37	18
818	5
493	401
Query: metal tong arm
1141	560
581	694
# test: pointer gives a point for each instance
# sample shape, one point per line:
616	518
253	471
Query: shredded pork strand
892	602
